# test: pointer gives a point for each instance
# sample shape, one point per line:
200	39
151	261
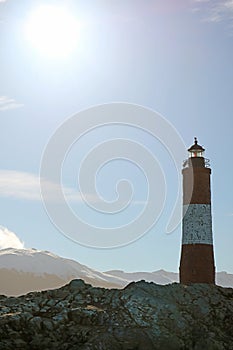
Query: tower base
197	264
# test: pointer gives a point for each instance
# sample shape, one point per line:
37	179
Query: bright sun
52	30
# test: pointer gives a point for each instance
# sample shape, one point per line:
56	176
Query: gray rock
142	316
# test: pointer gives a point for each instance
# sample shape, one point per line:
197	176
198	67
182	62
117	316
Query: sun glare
53	31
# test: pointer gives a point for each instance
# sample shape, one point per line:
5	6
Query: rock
76	285
142	316
48	324
35	323
19	344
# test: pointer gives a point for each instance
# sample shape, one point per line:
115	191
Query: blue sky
174	57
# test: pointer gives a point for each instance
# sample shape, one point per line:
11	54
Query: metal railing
186	163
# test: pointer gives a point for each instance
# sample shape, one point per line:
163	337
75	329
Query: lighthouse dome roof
196	147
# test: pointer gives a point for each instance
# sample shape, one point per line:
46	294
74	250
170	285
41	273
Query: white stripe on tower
197	224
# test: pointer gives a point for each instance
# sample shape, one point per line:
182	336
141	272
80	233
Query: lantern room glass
196	153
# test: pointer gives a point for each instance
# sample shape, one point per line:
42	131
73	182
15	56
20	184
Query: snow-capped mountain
26	270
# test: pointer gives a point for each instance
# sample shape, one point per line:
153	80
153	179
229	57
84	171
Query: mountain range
26	270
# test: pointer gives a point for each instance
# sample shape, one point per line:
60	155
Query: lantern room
196	150
196	156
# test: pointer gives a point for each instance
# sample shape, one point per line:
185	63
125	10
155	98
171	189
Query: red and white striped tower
197	254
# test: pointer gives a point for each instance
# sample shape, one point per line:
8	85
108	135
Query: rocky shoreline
142	316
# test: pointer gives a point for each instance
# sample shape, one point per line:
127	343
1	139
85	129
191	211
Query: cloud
7	103
22	185
215	10
8	239
26	186
19	185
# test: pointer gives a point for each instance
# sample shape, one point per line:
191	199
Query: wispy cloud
19	185
8	103
8	239
215	10
22	185
26	186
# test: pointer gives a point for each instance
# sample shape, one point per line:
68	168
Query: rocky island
142	316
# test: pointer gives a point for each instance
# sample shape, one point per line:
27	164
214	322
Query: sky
170	56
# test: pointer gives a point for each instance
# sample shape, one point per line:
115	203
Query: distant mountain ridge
158	277
163	277
26	270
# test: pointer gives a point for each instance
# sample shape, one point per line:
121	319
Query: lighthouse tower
197	254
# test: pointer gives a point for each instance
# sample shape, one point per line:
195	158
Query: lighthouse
197	253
